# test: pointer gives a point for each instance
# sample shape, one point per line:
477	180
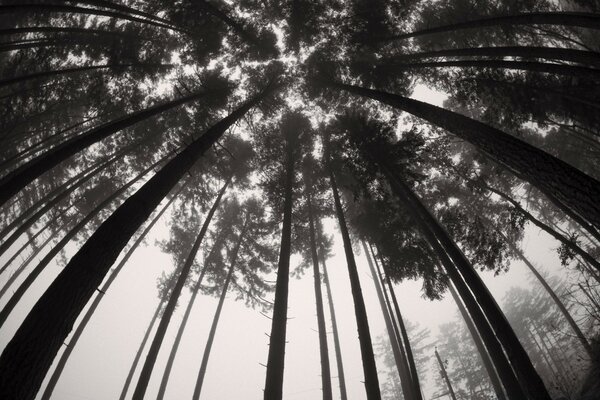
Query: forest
300	199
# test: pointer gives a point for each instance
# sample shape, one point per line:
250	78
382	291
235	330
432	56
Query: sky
101	360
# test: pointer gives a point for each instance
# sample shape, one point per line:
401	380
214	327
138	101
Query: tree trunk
559	304
213	328
364	336
88	315
553	53
276	358
323	348
125	9
404	333
334	327
159	336
572	19
485	357
17	179
33	275
399	356
439	239
55	8
138	354
564	183
29	354
445	375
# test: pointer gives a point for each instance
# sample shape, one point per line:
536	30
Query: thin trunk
534	66
404	333
445	375
138	354
485	357
552	53
183	274
66	71
563	18
364	336
441	241
55	8
125	9
166	374
563	183
17	179
88	315
393	335
29	354
276	357
334	327
323	348
213	328
33	275
57	29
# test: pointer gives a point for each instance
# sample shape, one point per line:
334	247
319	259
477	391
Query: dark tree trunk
560	181
213	328
552	53
445	375
56	8
364	336
334	327
138	354
439	239
557	301
65	71
409	354
399	356
29	354
485	357
88	315
323	348
183	274
276	358
33	275
166	374
17	179
124	9
572	19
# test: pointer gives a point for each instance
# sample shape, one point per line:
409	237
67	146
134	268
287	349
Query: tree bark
571	19
29	354
485	356
161	331
323	348
213	328
90	312
394	337
364	336
334	327
562	182
17	179
276	358
445	375
33	275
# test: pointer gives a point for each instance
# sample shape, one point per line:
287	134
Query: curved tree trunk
22	176
393	335
562	182
183	274
552	53
323	348
33	275
364	336
88	315
485	357
565	18
29	354
167	372
276	357
445	375
213	328
334	327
